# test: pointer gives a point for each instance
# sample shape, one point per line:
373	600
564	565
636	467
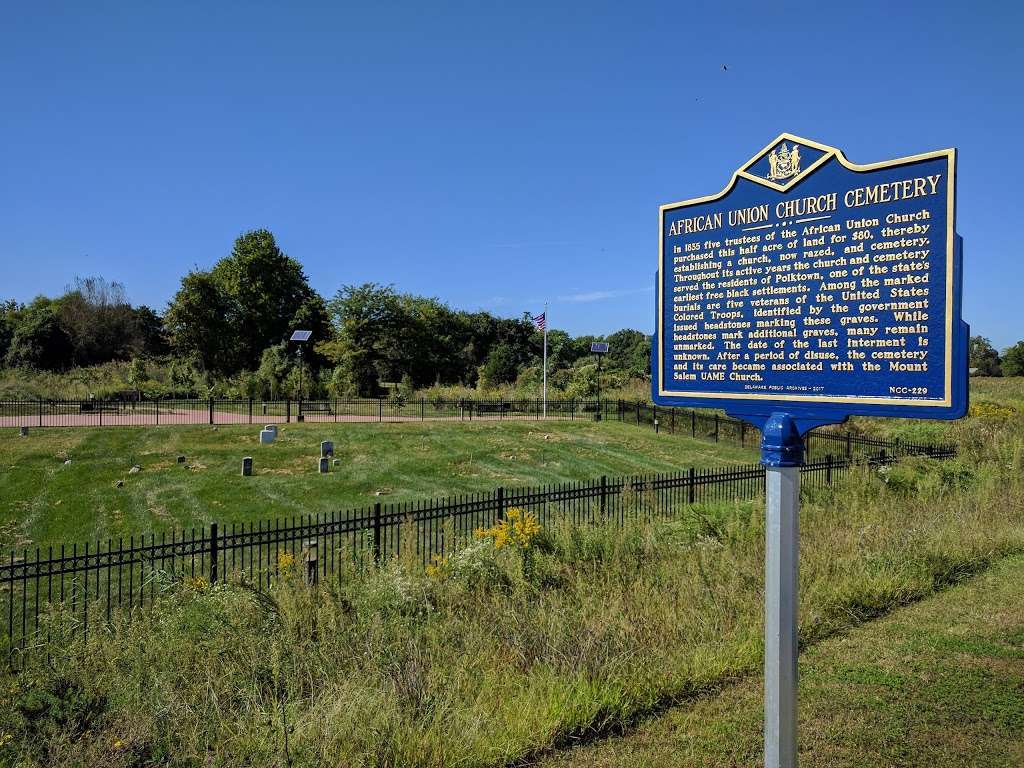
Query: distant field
44	501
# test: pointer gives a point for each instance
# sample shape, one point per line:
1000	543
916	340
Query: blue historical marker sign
816	287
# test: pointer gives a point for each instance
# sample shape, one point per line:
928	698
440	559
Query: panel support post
782	455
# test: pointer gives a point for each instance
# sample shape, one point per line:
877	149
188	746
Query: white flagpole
545	360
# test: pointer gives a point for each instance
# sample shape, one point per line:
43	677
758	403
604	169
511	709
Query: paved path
183	416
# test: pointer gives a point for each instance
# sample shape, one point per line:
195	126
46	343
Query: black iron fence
696	423
162	411
90	582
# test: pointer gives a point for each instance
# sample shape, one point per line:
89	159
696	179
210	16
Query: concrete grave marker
323	465
23	432
247	466
267	436
327	448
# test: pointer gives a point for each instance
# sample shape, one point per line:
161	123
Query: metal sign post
782	454
808	290
599	349
300	337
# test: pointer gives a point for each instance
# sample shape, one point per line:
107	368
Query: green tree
183	377
148	337
275	365
368	323
501	367
266	288
40	341
1013	360
629	351
201	323
983	356
250	300
8	321
136	373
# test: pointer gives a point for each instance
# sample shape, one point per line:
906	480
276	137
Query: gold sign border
949	154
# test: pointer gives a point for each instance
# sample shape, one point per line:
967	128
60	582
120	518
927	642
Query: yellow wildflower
518	528
285	562
435	569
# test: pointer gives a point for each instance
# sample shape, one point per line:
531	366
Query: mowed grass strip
44	500
936	685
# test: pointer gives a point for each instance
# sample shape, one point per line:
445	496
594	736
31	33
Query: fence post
848	454
716	427
604	494
156	404
309	558
250	410
376	533
213	553
692	485
423	412
638	413
828	469
40	413
288	410
211	410
693	423
380	409
500	496
743	433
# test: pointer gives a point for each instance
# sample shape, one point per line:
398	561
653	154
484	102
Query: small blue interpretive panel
816	287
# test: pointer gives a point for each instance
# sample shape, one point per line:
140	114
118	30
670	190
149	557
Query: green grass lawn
937	685
43	500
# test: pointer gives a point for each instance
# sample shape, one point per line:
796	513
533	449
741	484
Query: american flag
540	321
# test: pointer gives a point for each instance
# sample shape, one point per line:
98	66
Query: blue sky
496	156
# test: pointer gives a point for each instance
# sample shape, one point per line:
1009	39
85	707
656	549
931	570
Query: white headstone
267	436
327	448
323	465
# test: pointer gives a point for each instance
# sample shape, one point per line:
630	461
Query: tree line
226	330
986	361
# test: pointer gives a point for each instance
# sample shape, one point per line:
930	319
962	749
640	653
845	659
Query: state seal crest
784	162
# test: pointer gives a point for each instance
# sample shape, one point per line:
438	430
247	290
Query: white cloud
586	297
